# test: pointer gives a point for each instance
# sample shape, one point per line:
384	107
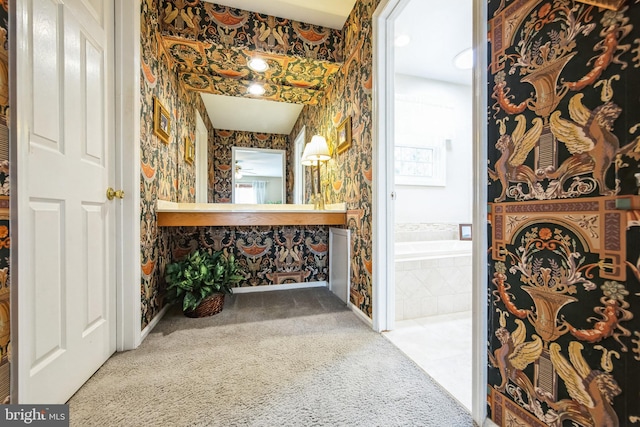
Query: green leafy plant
199	275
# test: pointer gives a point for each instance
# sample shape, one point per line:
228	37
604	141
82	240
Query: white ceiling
438	34
251	115
326	13
254	162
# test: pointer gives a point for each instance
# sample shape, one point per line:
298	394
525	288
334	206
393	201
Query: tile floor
441	345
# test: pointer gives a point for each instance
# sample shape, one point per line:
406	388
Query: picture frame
343	135
189	150
465	231
161	121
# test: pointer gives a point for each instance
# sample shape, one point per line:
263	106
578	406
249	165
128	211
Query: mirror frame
298	169
283	155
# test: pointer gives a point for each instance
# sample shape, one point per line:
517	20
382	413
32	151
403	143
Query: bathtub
409	251
432	278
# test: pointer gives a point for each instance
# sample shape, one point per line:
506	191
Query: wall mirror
258	175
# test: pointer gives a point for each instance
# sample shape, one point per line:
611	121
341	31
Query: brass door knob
111	194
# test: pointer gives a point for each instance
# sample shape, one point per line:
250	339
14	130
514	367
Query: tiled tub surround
432	278
410	232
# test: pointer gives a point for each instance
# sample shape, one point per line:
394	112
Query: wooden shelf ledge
191	219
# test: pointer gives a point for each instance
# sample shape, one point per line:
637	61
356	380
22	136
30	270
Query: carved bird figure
592	391
515	355
589	133
515	148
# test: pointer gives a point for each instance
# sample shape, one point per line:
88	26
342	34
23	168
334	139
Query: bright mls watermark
34	415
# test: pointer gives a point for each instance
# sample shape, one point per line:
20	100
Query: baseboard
489	423
284	287
360	314
153	322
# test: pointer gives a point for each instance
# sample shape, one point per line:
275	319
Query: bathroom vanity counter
172	214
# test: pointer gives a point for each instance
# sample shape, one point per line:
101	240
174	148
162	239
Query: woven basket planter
209	306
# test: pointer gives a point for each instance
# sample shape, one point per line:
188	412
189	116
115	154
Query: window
418	165
422	132
245	194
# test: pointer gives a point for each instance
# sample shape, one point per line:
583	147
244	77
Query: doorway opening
429	164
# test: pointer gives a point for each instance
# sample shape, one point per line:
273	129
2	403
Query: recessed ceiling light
464	60
256	89
402	40
258	64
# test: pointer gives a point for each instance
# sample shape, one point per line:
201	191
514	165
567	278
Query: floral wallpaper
5	240
348	92
564	223
226	139
212	45
347	176
164	172
268	255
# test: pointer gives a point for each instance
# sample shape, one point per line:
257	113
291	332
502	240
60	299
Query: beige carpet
286	358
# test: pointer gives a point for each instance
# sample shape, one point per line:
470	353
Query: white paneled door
66	227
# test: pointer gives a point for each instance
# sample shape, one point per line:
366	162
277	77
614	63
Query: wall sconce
315	152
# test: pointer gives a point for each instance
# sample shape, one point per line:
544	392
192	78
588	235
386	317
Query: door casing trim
127	115
383	216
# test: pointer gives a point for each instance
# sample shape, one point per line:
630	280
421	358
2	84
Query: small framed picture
465	231
343	135
161	121
189	150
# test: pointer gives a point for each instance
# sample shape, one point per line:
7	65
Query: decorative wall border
507	413
600	224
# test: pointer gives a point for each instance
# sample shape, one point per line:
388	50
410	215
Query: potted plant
199	281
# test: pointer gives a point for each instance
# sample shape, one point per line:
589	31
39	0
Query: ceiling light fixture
258	64
402	40
464	60
256	89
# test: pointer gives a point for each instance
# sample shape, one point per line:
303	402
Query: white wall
453	202
274	191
